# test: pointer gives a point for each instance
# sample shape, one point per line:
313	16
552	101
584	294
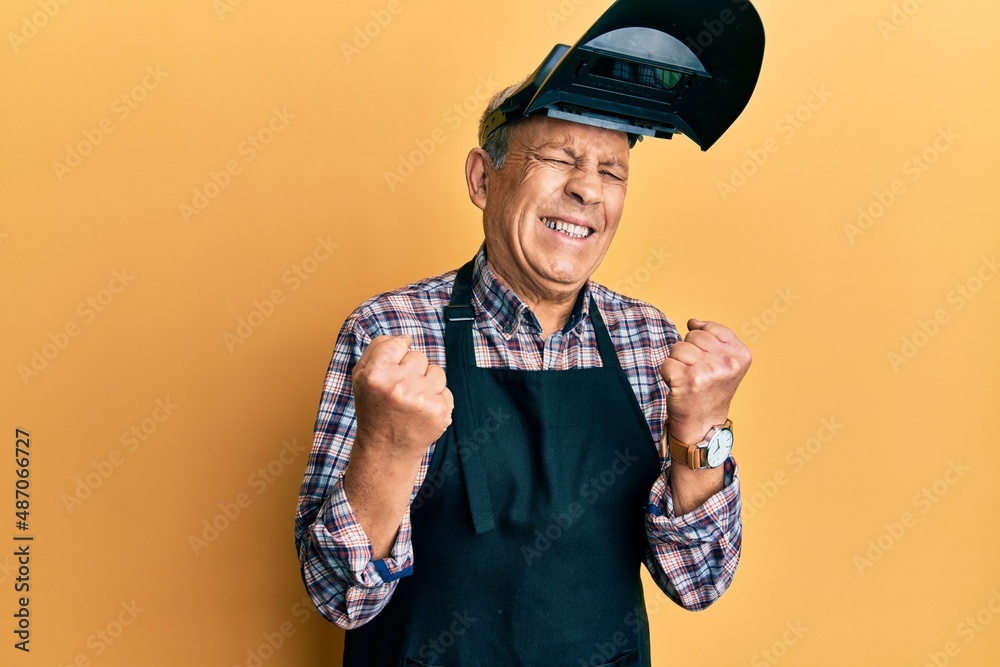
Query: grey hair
498	143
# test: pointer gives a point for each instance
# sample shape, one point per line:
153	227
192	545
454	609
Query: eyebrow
611	162
615	162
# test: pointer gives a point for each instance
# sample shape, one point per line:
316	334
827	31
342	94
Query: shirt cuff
338	530
717	516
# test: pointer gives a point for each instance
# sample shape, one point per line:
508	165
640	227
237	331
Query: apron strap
608	355
460	355
610	360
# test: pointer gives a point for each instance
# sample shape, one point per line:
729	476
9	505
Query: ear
476	172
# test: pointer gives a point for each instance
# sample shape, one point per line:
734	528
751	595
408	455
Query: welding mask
649	68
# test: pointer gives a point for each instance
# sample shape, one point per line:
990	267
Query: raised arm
354	545
693	518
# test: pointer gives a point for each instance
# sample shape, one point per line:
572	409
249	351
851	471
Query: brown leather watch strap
689	455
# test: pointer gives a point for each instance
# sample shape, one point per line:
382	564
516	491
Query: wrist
705	451
691	432
386	448
374	465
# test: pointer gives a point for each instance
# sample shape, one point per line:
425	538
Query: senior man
487	477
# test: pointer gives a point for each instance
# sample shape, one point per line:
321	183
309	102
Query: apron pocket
410	662
627	659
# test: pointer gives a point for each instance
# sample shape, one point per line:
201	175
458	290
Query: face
551	212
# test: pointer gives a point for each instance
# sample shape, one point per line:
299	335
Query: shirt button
506	328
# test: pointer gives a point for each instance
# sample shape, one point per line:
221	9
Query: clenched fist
703	372
401	400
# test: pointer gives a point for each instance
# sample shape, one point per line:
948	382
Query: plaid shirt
692	558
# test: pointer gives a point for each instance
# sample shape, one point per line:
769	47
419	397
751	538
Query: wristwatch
709	453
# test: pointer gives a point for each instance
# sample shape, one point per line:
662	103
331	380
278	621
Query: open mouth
567	228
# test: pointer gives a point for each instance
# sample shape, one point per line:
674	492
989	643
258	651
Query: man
486	476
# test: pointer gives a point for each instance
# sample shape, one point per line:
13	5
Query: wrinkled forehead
542	132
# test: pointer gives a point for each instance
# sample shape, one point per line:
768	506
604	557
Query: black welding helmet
649	68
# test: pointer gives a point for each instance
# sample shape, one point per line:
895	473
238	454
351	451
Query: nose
584	185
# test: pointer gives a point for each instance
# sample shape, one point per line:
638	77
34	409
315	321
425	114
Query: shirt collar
504	310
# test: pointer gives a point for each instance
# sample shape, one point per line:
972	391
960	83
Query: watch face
719	448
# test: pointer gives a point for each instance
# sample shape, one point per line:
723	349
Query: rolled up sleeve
347	586
693	557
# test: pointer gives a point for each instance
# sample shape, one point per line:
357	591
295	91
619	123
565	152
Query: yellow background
842	547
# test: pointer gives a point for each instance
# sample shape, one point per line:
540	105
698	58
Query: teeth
569	229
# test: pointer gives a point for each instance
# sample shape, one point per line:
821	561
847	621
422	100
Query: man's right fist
402	401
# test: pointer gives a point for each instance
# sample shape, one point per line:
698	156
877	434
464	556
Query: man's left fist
703	372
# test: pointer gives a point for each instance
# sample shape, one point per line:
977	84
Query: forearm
692	488
351	567
350	575
693	555
346	584
379	483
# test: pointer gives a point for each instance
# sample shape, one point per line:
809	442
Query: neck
552	317
551	308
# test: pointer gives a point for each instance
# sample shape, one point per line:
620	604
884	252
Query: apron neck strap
459	311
